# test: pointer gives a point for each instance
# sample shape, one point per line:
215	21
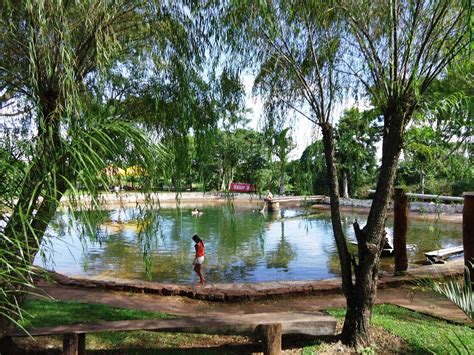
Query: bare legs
197	268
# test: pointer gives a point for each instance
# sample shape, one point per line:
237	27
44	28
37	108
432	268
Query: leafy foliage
457	290
60	128
356	135
438	142
309	174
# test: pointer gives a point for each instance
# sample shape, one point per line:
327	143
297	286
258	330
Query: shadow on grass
289	341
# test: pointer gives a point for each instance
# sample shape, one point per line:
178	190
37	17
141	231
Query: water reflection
241	246
281	256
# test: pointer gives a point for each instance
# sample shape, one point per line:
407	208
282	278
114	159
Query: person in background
269	196
199	257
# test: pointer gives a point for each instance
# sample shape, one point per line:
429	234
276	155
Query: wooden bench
268	326
438	256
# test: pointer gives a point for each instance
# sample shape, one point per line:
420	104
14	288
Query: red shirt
199	249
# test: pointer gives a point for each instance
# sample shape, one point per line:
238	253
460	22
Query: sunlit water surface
241	245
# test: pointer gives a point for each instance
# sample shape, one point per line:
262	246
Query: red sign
241	187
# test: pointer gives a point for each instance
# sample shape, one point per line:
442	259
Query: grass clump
422	333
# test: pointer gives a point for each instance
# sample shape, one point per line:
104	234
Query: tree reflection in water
241	246
284	253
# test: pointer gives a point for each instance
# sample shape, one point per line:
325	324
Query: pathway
391	290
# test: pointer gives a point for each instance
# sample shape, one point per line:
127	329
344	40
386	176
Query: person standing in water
269	196
199	257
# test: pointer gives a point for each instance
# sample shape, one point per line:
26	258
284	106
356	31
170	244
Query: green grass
424	334
51	313
42	313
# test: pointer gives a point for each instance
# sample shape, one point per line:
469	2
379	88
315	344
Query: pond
241	245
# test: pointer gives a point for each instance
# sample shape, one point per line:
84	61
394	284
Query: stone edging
413	206
249	292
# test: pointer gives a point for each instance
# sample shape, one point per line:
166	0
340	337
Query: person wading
199	257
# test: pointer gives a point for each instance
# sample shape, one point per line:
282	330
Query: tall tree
237	155
310	172
298	47
438	139
401	47
281	145
53	54
396	51
356	135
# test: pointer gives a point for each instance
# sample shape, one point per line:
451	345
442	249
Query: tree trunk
359	295
358	314
231	177
42	188
371	238
282	179
222	176
422	182
345	184
400	228
33	236
468	235
362	297
344	256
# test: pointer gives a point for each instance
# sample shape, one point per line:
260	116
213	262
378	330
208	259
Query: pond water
241	245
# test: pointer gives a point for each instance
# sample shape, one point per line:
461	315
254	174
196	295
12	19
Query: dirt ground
411	297
408	296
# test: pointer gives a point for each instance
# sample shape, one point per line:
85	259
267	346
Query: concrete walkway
249	298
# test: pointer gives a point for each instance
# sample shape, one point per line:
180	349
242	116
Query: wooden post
271	336
70	344
400	228
468	232
81	346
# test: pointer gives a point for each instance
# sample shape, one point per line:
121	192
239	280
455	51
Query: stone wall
130	197
421	207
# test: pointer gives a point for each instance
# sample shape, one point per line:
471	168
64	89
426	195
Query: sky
303	131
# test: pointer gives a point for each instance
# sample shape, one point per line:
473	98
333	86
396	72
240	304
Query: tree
234	155
298	45
356	135
281	144
253	159
53	55
309	172
438	140
401	48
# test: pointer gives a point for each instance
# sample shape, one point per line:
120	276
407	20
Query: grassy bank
42	313
420	333
395	328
